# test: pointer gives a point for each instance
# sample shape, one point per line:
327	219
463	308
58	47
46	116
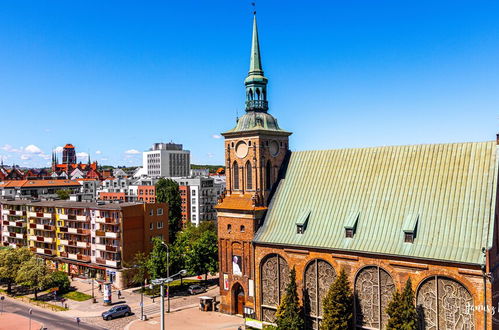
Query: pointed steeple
255	59
256	83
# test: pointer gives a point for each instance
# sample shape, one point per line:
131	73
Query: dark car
117	311
195	289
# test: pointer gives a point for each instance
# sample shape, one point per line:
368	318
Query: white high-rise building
167	160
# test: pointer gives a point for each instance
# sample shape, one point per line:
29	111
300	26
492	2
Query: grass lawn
77	296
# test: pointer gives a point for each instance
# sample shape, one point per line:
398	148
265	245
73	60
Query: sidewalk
189	318
9	321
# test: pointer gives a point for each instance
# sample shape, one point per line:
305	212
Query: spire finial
254	8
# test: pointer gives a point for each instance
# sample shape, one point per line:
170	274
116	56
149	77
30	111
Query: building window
268	174
194	193
249	176
409	238
151	212
229	228
160	224
349	233
151	226
160	211
235	176
242	229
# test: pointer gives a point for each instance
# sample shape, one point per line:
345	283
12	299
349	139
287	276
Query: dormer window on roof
351	224
410	227
301	223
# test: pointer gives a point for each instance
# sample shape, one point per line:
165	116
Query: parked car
195	289
117	311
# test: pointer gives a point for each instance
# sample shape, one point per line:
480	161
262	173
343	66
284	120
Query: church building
383	214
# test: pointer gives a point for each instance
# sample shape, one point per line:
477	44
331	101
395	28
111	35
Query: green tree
62	194
140	266
167	192
202	257
402	310
338	305
157	261
61	281
289	315
34	274
10	262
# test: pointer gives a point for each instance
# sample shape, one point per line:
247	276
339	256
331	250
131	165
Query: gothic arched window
318	277
249	176
442	303
373	291
235	176
274	274
268	175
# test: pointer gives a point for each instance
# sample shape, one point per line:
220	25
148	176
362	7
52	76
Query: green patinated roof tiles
446	192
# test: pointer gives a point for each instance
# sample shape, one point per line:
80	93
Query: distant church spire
256	83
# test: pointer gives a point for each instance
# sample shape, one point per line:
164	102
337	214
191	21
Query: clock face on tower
274	148
241	149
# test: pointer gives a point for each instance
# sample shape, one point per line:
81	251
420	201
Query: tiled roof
238	202
446	191
38	183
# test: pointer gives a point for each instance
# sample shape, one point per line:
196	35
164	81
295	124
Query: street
50	320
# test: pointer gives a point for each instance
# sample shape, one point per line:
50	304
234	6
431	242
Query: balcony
112	235
83	245
41	227
110	248
257	105
112	221
100	233
100	247
42	251
40	215
63	242
79	231
73	256
81	217
112	263
41	239
64	254
83	258
100	220
63	217
101	261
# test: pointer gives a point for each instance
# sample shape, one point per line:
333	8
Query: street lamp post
161	282
30	312
167	274
2	298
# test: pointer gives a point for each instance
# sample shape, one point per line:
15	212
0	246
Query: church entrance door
238	299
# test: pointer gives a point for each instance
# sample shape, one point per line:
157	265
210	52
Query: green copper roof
255	120
444	193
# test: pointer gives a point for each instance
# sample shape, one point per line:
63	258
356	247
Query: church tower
255	150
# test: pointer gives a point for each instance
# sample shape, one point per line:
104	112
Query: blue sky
112	77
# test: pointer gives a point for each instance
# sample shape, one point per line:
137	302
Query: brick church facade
386	214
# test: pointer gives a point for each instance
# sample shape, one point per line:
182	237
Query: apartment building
167	160
185	197
202	196
36	188
84	238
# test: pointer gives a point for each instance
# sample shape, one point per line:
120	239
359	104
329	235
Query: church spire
256	83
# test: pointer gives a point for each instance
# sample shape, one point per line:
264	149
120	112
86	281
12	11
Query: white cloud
216	136
58	149
132	152
44	156
98	152
32	149
9	148
25	157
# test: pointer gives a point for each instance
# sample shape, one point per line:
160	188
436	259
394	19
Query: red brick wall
146	194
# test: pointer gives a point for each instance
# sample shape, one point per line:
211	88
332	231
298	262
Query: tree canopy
167	191
401	310
289	314
338	305
34	274
10	262
63	194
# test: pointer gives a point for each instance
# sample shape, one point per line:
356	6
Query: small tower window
249	176
242	228
235	176
229	228
300	229
409	237
349	233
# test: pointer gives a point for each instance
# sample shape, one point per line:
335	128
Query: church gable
422	201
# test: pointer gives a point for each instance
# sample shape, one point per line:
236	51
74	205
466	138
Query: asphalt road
51	321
